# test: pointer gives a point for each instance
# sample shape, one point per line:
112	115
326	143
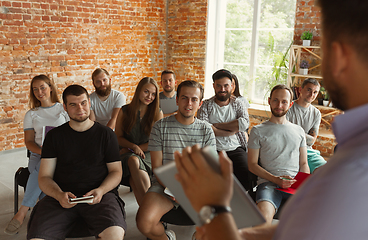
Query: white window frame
216	20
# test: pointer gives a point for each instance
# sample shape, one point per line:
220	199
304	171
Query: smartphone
87	199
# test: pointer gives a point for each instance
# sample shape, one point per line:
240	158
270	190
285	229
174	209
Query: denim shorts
267	192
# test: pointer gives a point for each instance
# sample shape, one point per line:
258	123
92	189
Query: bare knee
267	209
149	214
145	219
113	233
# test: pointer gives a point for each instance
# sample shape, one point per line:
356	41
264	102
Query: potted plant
306	37
325	97
304	65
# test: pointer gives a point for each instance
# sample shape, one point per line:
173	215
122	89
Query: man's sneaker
170	234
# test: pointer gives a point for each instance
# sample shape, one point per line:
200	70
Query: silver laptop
244	210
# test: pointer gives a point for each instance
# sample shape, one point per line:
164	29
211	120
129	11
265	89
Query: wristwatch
207	213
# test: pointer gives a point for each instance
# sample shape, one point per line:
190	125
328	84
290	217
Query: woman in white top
45	110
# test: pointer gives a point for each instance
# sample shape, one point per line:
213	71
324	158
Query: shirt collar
350	124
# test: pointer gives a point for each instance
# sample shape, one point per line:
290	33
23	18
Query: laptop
244	210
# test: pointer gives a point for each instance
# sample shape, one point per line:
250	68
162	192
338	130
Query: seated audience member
242	136
236	92
168	95
105	102
227	116
304	114
331	204
133	127
45	110
79	158
277	152
168	135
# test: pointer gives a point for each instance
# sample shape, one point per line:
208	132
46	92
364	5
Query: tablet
244	210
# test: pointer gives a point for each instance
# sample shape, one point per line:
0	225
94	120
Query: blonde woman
45	110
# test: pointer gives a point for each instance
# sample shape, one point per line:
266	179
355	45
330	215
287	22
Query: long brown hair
236	86
33	101
152	113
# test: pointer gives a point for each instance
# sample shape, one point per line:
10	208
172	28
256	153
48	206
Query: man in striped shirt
168	135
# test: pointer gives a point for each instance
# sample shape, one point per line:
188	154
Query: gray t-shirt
168	105
168	136
103	109
278	146
307	118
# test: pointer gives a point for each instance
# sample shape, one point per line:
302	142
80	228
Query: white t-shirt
103	109
44	116
278	146
221	115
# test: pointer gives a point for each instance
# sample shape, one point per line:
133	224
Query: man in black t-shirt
79	158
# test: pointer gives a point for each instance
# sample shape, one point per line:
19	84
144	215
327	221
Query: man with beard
168	135
228	115
105	102
332	203
277	152
304	114
79	158
168	95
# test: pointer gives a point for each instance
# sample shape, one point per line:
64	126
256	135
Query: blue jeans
33	191
267	192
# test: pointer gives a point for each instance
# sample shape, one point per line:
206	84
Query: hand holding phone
87	199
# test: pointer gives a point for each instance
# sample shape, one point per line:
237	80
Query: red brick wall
67	40
307	18
186	38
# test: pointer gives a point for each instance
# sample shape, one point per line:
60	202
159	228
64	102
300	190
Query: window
247	37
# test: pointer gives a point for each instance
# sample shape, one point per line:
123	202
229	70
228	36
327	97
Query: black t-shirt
81	156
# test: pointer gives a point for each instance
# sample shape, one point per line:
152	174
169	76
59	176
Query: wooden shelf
294	63
306	75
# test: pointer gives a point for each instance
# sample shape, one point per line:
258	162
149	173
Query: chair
20	179
177	217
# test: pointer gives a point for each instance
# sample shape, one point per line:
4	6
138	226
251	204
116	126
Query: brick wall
186	38
307	18
67	40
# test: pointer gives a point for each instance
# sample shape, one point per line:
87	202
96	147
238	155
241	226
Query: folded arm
221	133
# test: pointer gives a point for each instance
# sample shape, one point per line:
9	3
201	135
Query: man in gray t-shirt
105	102
277	152
168	135
168	95
304	114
